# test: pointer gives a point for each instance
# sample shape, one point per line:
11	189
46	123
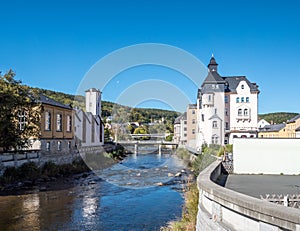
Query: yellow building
292	125
273	131
57	127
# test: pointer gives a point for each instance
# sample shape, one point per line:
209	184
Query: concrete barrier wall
223	209
266	156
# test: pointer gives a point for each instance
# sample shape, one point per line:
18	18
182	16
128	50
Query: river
125	196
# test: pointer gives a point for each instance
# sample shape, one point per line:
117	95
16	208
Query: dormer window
242	99
237	99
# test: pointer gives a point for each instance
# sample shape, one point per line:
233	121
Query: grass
189	213
190	210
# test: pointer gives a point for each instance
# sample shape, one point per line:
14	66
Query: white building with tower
226	108
89	127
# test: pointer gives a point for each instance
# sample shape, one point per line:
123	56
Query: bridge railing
224	209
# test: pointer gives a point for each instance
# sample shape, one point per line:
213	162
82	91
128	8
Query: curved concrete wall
223	209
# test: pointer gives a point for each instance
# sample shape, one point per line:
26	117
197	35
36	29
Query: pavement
256	185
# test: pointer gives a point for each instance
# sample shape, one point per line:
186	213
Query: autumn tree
19	113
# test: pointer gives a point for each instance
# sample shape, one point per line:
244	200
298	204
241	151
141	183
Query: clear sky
52	44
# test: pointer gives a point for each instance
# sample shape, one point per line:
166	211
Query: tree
19	113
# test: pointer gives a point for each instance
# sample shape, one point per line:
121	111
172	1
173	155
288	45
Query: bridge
136	143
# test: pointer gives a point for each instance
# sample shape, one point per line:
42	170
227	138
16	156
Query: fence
286	200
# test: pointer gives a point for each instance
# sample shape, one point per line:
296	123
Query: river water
125	196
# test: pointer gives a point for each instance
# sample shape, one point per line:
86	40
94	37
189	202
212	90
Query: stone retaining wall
224	209
17	159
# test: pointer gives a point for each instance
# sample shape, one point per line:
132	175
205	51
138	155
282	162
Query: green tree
19	113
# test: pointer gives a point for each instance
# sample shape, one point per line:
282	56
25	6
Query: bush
50	169
10	174
29	171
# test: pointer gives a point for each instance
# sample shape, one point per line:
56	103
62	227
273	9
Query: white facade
89	128
180	129
262	123
227	108
93	101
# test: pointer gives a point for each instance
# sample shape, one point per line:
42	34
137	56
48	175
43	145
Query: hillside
120	112
277	117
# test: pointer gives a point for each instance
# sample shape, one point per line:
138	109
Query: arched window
240	112
215	124
47	121
237	99
59	122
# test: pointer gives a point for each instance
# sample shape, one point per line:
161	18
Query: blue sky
52	44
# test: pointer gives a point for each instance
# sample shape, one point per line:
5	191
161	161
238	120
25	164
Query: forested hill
142	115
277	117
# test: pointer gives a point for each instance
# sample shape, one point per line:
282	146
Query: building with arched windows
226	108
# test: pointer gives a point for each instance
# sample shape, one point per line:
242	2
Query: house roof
272	128
47	100
297	129
213	77
179	118
294	119
233	82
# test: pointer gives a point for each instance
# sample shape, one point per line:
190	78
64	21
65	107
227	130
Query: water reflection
96	204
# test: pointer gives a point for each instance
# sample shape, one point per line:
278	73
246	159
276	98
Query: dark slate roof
92	89
294	119
213	77
179	118
192	106
46	100
297	129
272	128
233	82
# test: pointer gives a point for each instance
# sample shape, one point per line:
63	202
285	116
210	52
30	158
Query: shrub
29	171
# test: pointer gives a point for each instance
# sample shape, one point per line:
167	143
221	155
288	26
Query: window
209	98
214	139
185	135
185	122
22	119
69	145
242	99
193	131
47	121
69	123
242	86
245	112
237	99
240	112
202	117
184	129
59	145
215	124
226	111
194	121
247	99
216	110
227	126
193	112
226	98
59	122
48	146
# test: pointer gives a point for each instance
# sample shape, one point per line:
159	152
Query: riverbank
30	177
190	209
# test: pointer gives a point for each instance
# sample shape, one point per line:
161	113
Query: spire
212	66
